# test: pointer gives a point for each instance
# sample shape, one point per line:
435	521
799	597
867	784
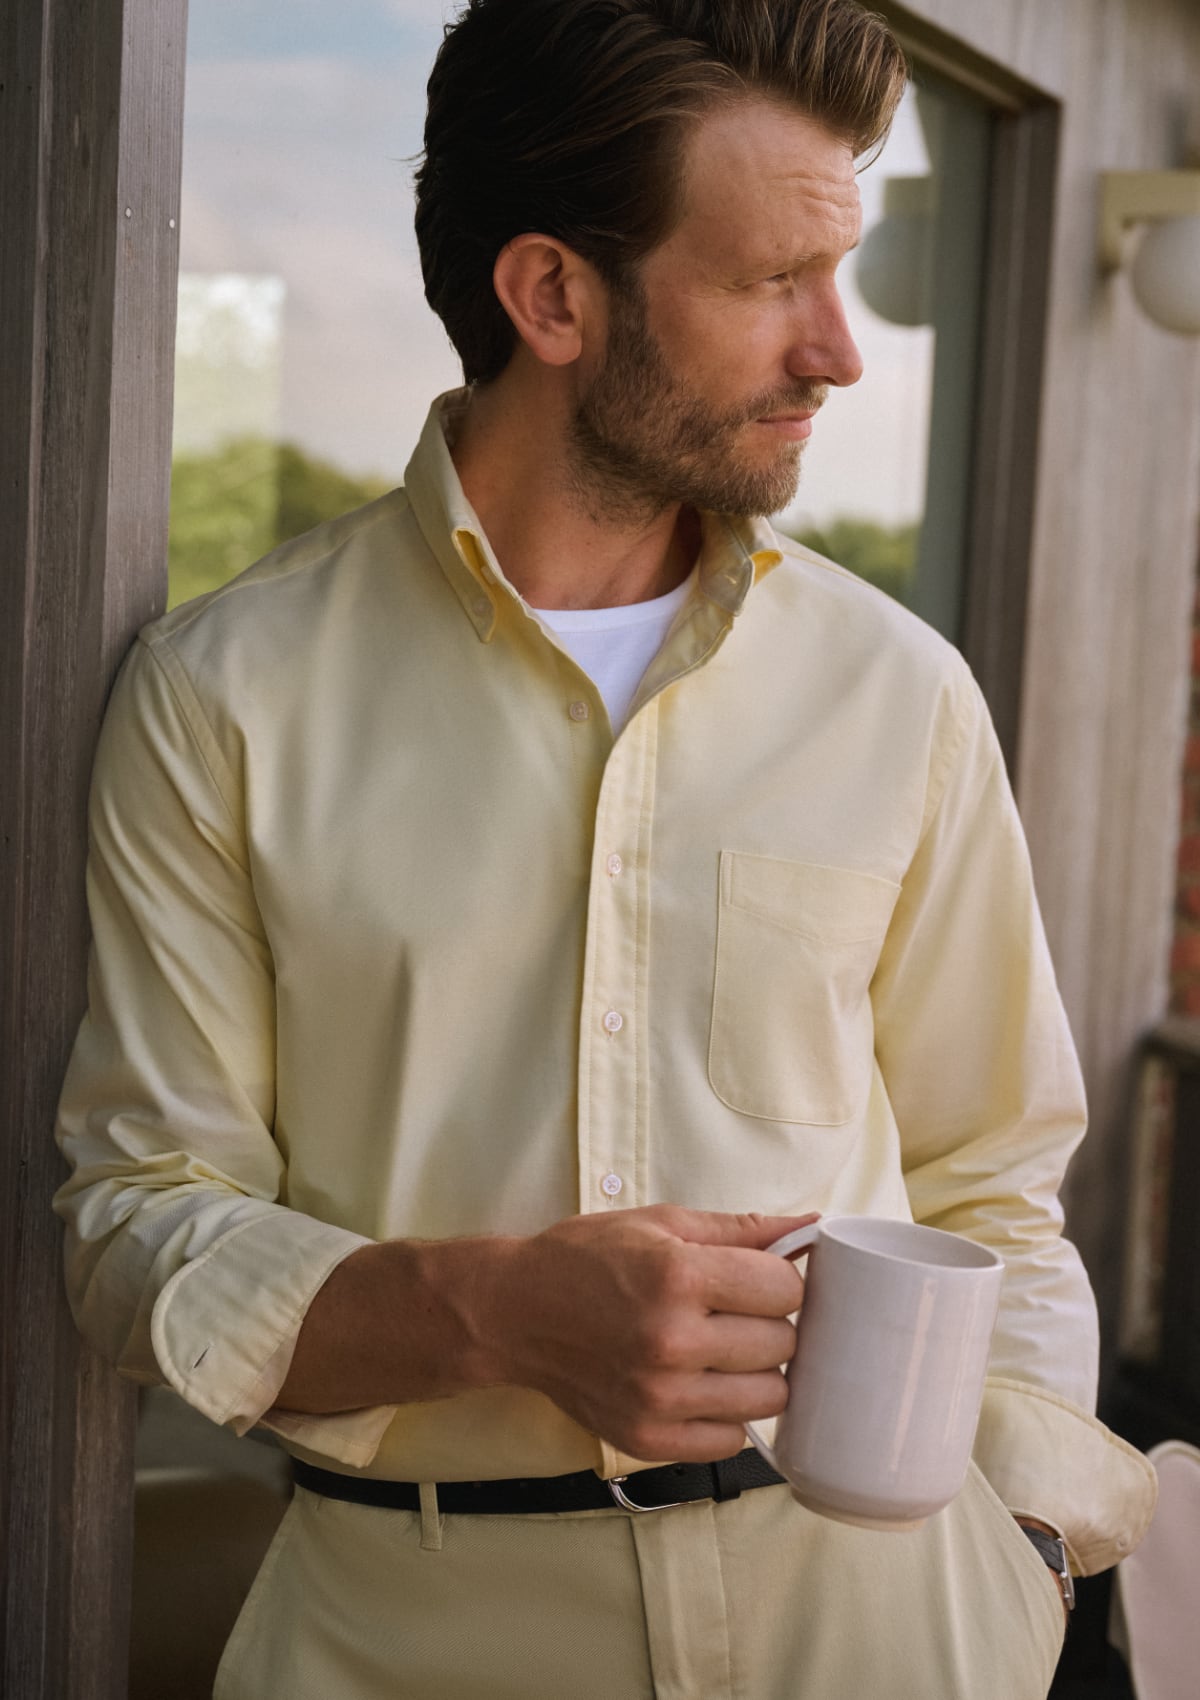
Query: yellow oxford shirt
393	939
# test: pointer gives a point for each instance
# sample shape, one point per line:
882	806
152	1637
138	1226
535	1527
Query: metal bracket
1141	197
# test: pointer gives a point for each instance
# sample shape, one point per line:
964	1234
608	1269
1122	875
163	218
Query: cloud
417	13
296	168
363	30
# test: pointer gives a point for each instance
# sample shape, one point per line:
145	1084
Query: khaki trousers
754	1599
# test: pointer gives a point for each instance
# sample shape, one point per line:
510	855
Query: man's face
725	344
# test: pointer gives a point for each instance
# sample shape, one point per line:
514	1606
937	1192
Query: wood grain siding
90	123
1114	536
1108	647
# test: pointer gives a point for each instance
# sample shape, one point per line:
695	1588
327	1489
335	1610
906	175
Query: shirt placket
614	1041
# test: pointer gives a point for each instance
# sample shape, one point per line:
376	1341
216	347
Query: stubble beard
642	441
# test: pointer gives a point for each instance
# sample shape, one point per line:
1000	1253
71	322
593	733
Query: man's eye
776	280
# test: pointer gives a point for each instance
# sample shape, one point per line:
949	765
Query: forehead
760	176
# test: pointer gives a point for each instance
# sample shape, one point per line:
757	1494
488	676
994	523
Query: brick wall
1185	954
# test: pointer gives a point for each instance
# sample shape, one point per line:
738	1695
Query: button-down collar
734	554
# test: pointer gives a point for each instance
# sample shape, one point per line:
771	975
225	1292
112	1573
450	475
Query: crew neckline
625	614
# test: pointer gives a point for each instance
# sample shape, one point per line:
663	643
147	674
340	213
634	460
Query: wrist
515	1345
402	1321
476	1282
435	1323
1040	1523
1051	1547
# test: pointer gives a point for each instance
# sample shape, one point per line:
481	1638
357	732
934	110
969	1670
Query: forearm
660	1330
403	1322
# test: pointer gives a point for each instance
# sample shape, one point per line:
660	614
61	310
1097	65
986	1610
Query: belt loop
431	1523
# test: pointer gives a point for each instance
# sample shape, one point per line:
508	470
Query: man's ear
547	291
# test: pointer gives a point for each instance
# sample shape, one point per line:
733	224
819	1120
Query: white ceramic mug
886	1383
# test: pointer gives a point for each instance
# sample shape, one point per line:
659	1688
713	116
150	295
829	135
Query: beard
642	440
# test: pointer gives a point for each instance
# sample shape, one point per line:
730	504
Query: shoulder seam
178	682
799	554
940	777
240	581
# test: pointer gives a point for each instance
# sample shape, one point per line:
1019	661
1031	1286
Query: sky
301	127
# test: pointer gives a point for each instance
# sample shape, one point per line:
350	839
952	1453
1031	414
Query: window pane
306	355
886	475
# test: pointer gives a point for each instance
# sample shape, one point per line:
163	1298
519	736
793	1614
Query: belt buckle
622	1499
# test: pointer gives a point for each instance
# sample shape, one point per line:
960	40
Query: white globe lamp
894	267
1166	275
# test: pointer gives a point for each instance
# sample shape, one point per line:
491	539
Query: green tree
884	555
310	491
236	503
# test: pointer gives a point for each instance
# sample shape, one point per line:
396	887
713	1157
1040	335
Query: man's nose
824	350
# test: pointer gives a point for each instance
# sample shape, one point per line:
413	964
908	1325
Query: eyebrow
819	254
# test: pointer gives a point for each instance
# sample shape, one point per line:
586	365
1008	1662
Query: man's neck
554	549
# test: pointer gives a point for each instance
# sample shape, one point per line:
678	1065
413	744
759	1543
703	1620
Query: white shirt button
614	1021
578	711
611	1184
613	865
482	608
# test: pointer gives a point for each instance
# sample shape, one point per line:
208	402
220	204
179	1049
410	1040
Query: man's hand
661	1329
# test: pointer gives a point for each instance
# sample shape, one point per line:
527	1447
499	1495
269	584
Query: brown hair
568	117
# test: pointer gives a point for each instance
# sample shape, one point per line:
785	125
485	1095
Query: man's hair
569	118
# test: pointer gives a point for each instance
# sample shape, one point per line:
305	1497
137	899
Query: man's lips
794	426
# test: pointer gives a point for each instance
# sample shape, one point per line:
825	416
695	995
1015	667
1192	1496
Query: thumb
749	1228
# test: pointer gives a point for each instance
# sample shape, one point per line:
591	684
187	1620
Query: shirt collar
734	552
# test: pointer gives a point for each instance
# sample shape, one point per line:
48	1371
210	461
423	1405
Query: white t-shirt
614	646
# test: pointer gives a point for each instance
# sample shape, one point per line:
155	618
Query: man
505	893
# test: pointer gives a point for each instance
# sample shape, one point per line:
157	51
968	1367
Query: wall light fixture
1165	274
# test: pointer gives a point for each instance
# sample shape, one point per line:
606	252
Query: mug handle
800	1239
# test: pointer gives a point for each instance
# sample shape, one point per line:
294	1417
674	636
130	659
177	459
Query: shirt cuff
1048	1458
224	1329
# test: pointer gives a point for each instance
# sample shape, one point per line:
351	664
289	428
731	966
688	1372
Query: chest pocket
792	1035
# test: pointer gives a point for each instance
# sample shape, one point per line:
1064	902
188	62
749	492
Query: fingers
705	1419
734	1344
696	1443
711	1397
748	1283
662	1329
722	1228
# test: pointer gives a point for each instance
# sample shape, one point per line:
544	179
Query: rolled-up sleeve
975	1050
184	1263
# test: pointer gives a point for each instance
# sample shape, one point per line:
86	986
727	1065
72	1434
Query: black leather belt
645	1490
